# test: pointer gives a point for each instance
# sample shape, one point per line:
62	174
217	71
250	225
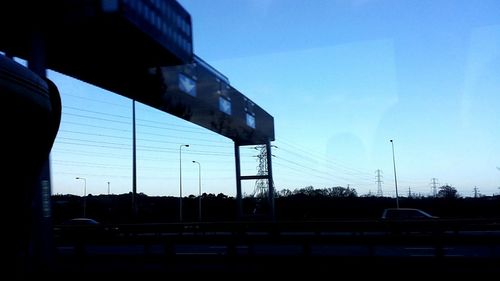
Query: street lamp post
84	194
395	178
199	189
180	180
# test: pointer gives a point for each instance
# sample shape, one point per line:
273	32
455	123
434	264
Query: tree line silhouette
301	204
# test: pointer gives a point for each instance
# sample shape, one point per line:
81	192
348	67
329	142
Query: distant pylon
379	183
434	186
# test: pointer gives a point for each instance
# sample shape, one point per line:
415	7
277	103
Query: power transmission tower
409	192
379	183
261	187
434	186
476	192
264	187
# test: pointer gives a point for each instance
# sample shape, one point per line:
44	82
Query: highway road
321	247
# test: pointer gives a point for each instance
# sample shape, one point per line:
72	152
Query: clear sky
341	79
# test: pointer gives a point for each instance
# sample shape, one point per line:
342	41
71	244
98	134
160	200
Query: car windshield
81	221
405	214
159	119
340	78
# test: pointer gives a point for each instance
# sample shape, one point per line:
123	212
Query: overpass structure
141	49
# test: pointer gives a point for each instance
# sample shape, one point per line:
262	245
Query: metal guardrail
285	248
437	234
276	228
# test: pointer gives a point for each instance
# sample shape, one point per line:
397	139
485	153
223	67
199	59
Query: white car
405	213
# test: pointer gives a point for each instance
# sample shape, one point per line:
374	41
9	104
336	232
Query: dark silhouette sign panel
199	94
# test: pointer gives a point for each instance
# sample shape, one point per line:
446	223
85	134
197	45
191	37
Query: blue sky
341	79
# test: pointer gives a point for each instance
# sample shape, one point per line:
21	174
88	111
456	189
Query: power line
340	171
97	112
93	100
94	126
96	118
308	157
142	148
346	170
121	156
139	139
129	123
309	152
319	173
312	160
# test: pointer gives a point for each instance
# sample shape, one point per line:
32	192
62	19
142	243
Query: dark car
81	221
77	229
